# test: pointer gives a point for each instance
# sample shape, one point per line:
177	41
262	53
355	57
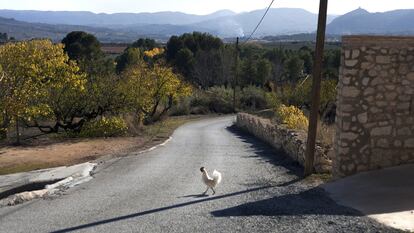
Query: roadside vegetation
73	89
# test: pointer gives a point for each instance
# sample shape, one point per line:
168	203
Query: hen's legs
214	191
206	190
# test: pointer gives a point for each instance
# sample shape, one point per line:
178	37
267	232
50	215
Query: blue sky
200	6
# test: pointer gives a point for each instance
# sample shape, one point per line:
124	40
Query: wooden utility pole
316	86
236	74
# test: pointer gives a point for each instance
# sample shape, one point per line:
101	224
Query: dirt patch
19	159
45	152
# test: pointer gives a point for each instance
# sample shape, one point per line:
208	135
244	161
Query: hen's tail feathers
216	177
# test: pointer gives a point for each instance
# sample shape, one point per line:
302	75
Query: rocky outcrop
292	142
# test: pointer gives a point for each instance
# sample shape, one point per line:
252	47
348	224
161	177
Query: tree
4	118
144	44
228	65
263	71
184	62
182	51
73	108
306	55
31	70
293	68
147	90
4	37
174	45
248	72
84	48
207	68
131	56
332	61
277	58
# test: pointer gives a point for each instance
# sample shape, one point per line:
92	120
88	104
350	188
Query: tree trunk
4	126
17	130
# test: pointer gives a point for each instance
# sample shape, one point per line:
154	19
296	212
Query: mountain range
126	27
360	21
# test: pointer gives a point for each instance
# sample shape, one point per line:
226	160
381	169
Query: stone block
346	80
355	53
363	117
365	81
369	91
351	63
404	131
403	69
350	92
383	59
397	143
381	131
391	95
409	143
410	76
378	80
383	143
351	72
404	106
347	53
349	136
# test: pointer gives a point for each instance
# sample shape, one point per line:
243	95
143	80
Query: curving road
158	191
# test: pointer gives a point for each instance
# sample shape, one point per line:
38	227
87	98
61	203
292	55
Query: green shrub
104	127
3	133
253	98
272	100
199	103
300	95
221	99
181	107
214	99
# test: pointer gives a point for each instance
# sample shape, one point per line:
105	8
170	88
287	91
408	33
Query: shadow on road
266	153
134	215
194	195
314	201
310	202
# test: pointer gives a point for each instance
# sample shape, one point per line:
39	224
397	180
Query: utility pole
316	86
236	74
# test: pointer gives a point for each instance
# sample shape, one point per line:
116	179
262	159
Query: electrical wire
258	24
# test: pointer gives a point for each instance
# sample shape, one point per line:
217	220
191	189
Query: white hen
211	182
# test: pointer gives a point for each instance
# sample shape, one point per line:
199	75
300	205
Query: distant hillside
23	30
86	18
223	23
361	21
127	27
278	21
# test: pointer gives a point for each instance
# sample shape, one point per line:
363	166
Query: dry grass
326	134
319	179
51	151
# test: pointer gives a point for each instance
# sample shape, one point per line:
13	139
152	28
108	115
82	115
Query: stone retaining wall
291	141
375	104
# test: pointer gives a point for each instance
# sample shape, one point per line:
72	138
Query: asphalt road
159	191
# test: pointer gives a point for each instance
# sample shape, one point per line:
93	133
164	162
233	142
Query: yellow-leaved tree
4	119
150	91
31	71
154	52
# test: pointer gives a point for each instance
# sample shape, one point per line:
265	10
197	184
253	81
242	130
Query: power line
261	20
